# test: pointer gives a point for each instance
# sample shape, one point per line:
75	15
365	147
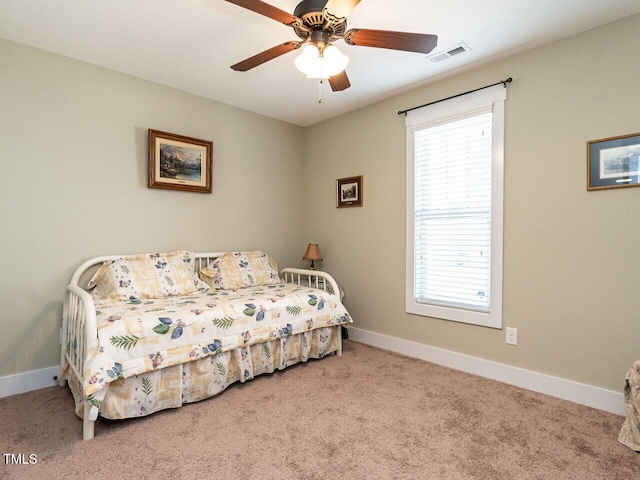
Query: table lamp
312	253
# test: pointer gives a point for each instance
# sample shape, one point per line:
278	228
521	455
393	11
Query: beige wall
73	185
571	268
73	175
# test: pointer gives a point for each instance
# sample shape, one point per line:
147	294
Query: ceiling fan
318	24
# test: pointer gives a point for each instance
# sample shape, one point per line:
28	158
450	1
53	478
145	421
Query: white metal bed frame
79	317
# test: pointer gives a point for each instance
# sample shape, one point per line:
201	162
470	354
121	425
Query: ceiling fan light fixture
319	23
325	63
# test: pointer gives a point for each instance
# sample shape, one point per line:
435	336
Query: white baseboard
583	394
25	382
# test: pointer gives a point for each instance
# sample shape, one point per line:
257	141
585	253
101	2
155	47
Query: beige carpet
369	414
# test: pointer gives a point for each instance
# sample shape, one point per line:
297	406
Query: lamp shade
315	63
313	252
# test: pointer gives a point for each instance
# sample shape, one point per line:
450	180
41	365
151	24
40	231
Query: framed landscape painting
177	162
613	162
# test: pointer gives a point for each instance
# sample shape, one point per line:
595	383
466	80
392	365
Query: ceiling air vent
457	50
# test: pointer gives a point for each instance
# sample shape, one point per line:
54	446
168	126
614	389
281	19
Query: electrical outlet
512	336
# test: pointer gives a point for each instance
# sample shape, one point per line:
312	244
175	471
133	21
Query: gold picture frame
613	162
177	162
349	192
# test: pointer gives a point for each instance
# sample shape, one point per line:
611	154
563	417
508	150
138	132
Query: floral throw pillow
234	270
142	276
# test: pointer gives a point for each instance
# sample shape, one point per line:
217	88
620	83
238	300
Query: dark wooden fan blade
339	82
339	8
265	56
410	42
267	10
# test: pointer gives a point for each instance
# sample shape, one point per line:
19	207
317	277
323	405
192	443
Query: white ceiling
190	44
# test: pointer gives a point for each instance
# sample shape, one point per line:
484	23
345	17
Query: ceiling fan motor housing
310	12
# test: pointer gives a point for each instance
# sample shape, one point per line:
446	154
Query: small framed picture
349	192
613	162
177	162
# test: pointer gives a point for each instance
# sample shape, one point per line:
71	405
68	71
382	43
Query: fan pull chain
320	92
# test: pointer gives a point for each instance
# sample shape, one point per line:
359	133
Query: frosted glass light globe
313	65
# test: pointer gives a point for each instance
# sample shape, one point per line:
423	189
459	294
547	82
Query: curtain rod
503	82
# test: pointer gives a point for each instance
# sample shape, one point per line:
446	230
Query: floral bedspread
146	335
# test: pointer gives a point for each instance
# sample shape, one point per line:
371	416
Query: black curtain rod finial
503	82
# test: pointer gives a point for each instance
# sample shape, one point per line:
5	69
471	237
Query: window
454	208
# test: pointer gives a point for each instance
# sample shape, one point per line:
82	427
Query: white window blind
454	208
453	213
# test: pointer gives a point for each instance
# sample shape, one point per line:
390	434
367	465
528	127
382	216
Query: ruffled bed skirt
174	386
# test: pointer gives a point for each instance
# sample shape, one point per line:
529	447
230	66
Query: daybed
155	331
